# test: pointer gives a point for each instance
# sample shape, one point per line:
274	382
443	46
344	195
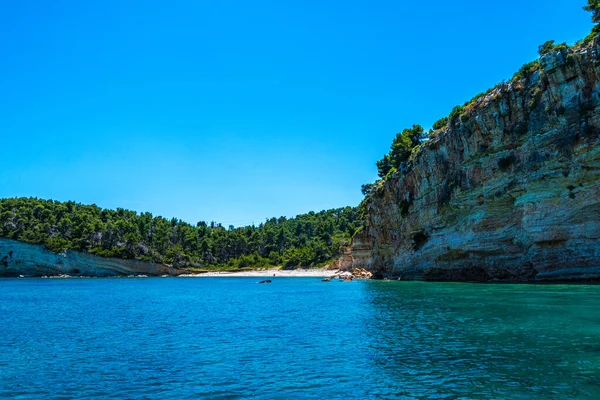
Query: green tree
594	7
308	239
384	166
403	144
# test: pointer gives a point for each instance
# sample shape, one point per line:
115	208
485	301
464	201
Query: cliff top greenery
407	143
311	239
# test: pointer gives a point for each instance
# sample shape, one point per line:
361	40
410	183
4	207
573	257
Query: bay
228	338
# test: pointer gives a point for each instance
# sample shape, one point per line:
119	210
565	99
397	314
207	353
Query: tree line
307	240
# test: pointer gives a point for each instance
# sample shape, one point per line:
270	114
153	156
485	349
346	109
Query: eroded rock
508	192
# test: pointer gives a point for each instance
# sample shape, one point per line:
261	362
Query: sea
296	338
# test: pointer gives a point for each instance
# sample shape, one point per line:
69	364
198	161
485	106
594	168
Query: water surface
230	338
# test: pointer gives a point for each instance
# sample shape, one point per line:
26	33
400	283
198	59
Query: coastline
267	273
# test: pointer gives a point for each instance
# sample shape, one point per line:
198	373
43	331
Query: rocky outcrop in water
510	190
22	259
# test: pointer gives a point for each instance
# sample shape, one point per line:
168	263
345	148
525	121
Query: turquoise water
296	338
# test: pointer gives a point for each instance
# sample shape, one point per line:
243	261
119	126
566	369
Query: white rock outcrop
23	259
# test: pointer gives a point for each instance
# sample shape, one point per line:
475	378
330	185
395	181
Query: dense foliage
307	240
400	150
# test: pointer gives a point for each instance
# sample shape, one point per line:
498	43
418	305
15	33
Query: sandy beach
269	273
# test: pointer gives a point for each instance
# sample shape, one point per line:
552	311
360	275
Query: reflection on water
485	341
296	338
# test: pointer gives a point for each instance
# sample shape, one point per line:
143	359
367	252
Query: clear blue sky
233	110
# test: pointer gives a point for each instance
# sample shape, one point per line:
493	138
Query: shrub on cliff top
527	70
456	112
550	47
403	144
481	95
441	123
400	150
593	7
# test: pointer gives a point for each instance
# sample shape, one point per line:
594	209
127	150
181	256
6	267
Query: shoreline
269	273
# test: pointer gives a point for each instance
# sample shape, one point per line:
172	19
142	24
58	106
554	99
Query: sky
237	111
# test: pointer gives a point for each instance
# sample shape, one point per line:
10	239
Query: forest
308	240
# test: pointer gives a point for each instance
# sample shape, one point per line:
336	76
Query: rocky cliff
510	190
18	258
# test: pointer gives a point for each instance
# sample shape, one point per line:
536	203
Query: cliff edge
509	190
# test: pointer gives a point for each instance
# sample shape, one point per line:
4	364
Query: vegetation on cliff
406	145
400	150
307	240
507	187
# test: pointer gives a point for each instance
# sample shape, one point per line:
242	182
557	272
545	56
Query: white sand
269	273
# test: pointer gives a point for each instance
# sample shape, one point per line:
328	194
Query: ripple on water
296	338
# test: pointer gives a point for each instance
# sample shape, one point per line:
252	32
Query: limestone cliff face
17	258
508	191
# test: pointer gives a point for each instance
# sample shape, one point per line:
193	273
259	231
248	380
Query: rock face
17	258
344	263
509	191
